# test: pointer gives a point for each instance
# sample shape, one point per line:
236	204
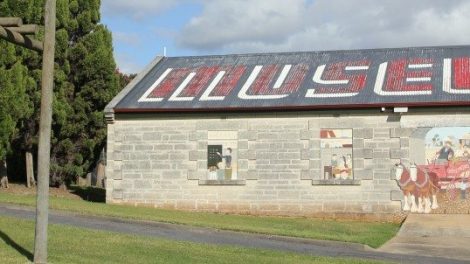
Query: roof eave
109	109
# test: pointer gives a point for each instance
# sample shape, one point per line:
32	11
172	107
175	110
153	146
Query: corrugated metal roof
302	80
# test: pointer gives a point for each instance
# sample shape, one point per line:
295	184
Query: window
336	154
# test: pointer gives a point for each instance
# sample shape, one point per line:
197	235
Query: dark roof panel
303	80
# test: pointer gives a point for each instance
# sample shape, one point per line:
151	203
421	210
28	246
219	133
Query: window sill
222	182
336	182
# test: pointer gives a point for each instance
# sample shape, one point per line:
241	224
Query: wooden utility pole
44	148
8	32
13	30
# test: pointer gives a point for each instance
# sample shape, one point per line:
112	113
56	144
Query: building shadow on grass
92	194
16	246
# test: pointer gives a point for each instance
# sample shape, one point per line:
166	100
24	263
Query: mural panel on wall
336	153
222	160
437	177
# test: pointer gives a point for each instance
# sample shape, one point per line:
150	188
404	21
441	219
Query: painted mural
437	177
222	160
336	153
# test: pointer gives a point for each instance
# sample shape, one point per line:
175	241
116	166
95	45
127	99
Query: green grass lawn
373	234
77	245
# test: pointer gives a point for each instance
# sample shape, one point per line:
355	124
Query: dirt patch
77	193
452	204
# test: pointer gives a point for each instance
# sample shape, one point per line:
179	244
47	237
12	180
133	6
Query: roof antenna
164	51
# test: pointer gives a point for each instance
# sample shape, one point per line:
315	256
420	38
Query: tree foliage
84	81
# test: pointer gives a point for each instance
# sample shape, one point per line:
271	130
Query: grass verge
373	234
77	245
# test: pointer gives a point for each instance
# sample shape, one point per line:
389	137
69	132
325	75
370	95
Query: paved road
213	236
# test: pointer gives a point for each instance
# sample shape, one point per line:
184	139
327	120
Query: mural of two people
222	161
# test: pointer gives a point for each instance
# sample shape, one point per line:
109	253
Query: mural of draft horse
417	184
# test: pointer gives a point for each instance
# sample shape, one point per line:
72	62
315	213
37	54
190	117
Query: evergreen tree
18	84
84	81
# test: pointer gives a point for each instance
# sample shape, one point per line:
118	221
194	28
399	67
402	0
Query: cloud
129	38
127	63
229	21
137	9
272	25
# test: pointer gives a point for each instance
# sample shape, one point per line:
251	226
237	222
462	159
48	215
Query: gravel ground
449	206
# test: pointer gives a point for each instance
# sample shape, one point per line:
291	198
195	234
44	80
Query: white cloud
131	39
279	25
127	63
231	21
136	9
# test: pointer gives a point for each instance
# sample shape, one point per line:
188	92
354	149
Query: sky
142	28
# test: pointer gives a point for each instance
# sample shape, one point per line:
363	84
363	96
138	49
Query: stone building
302	133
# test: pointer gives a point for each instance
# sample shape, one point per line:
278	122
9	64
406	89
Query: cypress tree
84	81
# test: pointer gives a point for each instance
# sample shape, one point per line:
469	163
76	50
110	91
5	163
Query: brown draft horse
420	184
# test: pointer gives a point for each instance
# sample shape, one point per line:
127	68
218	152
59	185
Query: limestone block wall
161	161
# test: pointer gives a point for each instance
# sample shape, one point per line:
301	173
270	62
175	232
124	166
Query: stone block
130	165
243	145
116	175
399	153
196	174
358	143
364	174
305	154
315	164
401	132
404	142
306	175
179	156
195	155
381	153
366	133
396	195
132	138
144	165
314	154
358	164
306	134
314	144
242	164
186	204
267	136
137	156
152	136
178	137
117	194
381	133
223	182
220	125
249	135
142	184
247	175
382	175
363	153
289	156
132	176
143	147
116	155
124	147
291	136
198	135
